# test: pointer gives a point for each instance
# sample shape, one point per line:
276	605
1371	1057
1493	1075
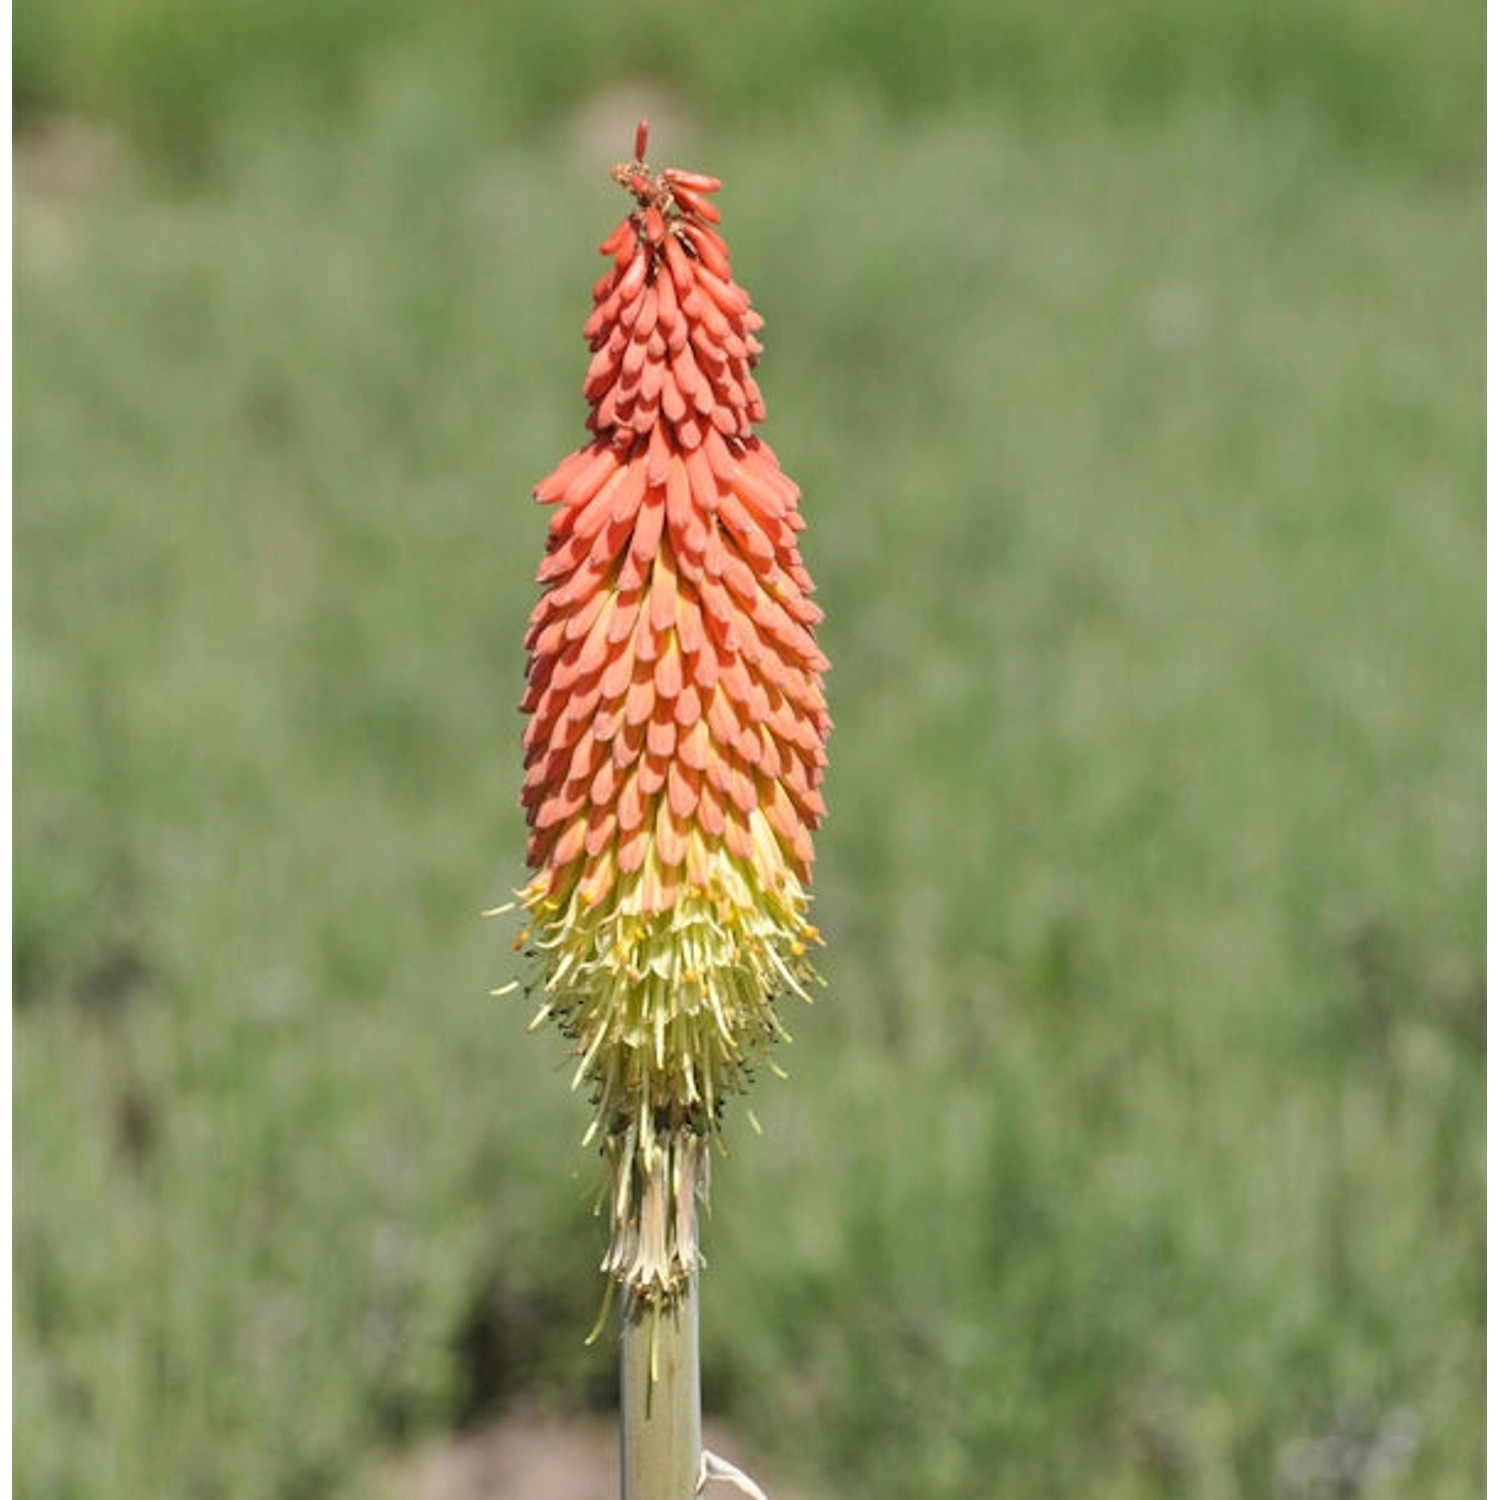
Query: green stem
661	1437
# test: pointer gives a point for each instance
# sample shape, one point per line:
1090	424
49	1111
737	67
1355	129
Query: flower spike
677	723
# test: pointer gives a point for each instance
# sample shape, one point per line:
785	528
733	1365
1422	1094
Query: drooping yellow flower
677	724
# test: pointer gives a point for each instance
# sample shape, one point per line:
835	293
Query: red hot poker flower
677	723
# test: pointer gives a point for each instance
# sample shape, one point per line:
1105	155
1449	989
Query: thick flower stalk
677	725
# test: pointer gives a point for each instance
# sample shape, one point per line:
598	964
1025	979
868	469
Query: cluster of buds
677	725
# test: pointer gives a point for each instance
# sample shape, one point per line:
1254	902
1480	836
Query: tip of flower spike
671	191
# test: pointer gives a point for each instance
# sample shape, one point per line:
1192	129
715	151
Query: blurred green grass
1402	80
1135	1149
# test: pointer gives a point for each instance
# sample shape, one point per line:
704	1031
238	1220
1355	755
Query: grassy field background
1134	1150
1388	76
